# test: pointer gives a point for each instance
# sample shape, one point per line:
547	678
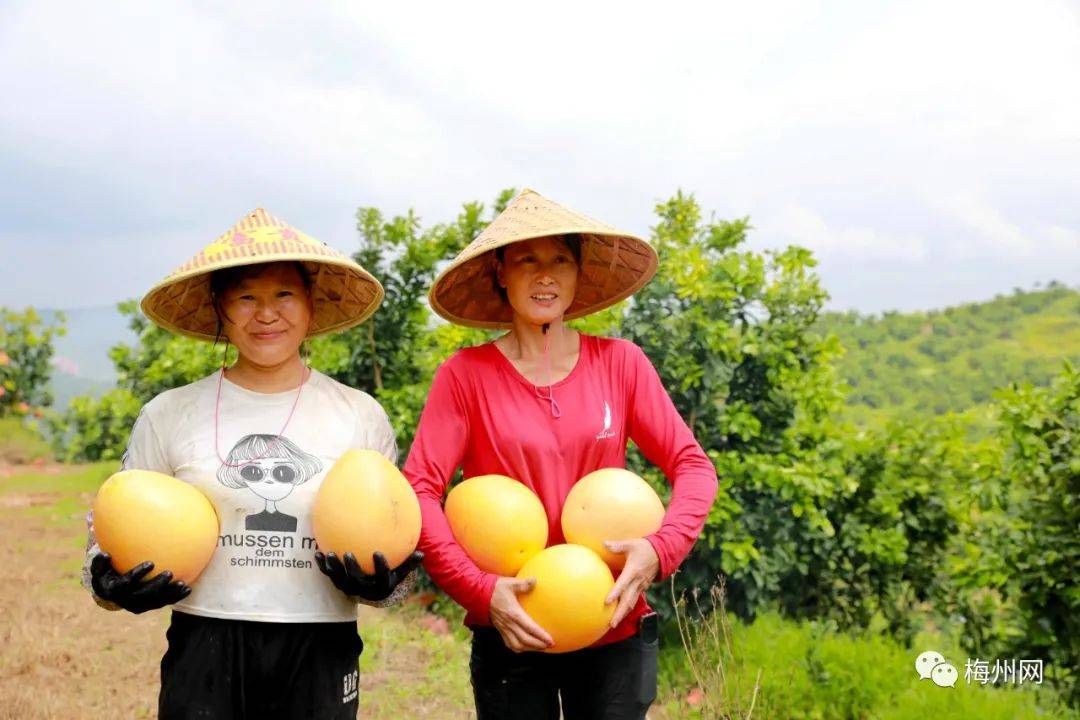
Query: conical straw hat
614	264
344	293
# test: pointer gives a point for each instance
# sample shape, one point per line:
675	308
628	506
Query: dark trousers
235	669
611	682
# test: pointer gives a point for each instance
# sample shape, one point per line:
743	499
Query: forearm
693	493
401	591
449	566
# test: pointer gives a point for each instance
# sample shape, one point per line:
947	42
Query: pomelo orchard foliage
25	352
815	517
1041	430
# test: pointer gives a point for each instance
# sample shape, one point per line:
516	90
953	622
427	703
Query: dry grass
60	655
707	640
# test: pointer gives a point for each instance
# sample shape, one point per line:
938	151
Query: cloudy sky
927	151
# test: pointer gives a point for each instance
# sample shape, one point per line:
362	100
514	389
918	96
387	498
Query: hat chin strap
304	375
556	412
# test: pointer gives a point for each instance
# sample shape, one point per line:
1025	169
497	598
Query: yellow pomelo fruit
141	515
366	505
610	504
568	598
498	521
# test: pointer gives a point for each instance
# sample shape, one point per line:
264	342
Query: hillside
81	364
929	363
83	351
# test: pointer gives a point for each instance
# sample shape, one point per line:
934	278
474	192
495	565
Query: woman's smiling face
267	315
540	277
269	478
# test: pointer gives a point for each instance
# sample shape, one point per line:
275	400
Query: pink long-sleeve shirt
486	417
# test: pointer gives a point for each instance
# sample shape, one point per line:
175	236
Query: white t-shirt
264	567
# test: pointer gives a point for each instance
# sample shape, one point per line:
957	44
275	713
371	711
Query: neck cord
217	414
556	412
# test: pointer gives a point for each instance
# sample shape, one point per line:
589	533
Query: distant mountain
953	360
81	364
83	352
65	387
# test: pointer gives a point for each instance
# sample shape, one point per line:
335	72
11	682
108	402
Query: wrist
654	545
487	590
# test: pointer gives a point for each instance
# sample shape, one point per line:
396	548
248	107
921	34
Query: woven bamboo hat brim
614	264
343	292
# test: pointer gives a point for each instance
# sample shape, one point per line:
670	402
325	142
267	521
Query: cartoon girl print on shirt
270	467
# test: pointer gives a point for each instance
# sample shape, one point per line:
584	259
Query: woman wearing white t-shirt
269	628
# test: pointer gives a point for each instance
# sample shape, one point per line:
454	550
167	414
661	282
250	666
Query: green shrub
20	442
95	429
26	349
810	672
1042	426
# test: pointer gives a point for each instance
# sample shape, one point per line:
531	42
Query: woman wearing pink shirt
547	405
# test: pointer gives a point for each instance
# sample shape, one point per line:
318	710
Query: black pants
235	669
611	682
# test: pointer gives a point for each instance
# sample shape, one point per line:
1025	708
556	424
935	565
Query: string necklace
217	415
556	412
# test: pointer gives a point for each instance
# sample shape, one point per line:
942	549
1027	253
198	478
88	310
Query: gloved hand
351	580
128	589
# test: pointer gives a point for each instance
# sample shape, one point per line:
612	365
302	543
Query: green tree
1042	429
93	429
396	352
729	331
899	513
26	350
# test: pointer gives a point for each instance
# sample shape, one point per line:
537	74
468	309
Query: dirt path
60	655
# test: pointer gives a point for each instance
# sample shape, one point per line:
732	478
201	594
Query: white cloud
835	125
800	226
1062	238
991	234
990	231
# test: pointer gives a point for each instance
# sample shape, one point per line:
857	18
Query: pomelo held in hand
499	522
366	505
610	504
141	515
568	599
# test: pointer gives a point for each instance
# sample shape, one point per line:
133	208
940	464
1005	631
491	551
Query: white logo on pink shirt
606	432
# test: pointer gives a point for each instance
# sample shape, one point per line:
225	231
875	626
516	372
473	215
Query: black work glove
128	589
351	580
